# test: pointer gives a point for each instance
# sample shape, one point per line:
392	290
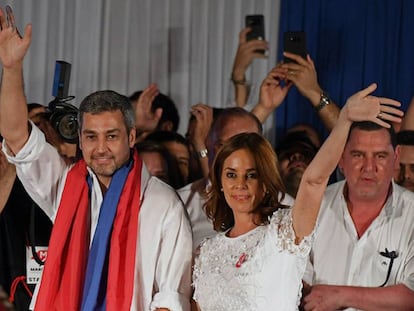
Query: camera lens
68	127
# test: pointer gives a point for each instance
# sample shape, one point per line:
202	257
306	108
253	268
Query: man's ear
397	154
79	140
340	165
132	137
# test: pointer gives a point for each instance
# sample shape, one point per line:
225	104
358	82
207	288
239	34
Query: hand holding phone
295	43
256	24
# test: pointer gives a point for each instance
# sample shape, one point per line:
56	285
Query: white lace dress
260	270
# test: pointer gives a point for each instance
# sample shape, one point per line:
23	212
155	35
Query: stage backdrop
186	46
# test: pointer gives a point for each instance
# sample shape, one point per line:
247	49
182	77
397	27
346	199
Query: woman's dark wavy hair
266	162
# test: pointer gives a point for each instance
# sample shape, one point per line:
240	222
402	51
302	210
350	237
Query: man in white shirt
363	253
101	254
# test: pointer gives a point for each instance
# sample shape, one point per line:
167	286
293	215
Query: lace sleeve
196	268
282	225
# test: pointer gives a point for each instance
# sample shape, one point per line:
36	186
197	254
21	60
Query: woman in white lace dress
258	260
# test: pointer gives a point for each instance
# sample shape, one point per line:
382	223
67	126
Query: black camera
62	115
64	119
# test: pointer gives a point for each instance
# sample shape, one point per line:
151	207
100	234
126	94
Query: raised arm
272	93
359	107
146	120
303	75
7	177
13	109
246	52
203	115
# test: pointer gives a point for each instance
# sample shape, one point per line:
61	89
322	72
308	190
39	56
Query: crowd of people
135	216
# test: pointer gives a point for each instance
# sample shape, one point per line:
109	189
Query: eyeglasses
391	255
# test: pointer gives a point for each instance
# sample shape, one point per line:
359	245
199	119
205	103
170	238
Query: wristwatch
202	153
325	101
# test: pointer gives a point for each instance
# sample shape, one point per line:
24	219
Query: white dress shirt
339	257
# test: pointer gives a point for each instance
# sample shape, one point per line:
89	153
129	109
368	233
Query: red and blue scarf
70	278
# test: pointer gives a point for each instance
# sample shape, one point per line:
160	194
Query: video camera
62	115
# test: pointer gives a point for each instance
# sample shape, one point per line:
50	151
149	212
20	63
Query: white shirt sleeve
41	171
173	271
165	241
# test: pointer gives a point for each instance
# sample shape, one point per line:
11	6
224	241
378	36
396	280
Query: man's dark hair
169	110
296	142
371	126
167	136
31	106
406	138
232	112
174	178
102	101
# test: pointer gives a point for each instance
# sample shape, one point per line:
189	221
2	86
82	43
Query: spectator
405	173
159	162
155	157
295	152
309	131
178	149
202	116
247	51
154	111
97	237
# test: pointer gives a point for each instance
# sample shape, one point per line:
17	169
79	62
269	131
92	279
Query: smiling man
121	240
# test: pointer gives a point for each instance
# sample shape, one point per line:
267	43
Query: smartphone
256	24
294	42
